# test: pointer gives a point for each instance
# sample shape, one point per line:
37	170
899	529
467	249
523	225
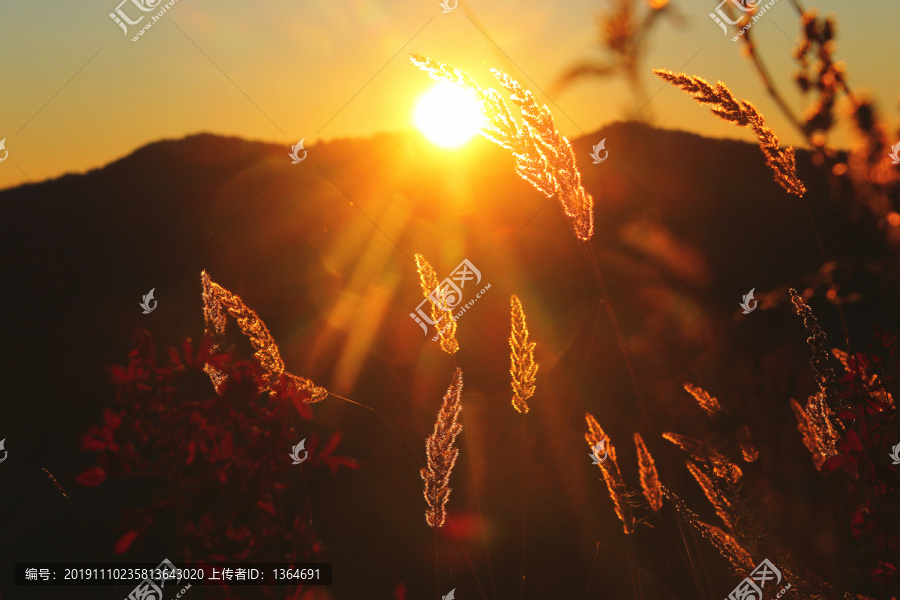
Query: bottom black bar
166	575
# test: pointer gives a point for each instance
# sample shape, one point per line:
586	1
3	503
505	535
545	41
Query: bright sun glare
448	115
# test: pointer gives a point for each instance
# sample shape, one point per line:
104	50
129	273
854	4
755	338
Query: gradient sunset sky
77	93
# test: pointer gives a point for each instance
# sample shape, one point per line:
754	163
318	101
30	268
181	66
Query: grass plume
726	544
523	368
713	493
806	432
822	426
429	282
219	302
544	157
611	474
649	476
816	341
748	450
441	453
708	403
721	466
743	114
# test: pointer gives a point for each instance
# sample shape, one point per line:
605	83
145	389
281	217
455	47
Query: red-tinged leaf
203	349
885	571
334	462
267	506
333	442
118	375
311	444
850	467
93	440
192	452
125	542
175	360
91	477
90	444
856	523
188	349
223	476
112	419
298	399
854	441
832	463
226	448
400	591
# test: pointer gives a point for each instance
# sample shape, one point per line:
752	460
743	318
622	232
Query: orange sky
77	93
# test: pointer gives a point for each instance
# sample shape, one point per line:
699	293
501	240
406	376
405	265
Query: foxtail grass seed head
721	466
611	474
844	359
544	157
713	493
440	310
217	302
748	450
523	369
723	542
617	492
729	547
595	435
441	453
708	403
816	340
807	435
822	421
821	409
743	114
649	476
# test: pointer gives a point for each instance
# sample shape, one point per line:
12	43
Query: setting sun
448	115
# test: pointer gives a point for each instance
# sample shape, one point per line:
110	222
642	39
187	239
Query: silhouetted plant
219	463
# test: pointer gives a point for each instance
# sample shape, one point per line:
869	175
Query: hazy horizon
87	95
